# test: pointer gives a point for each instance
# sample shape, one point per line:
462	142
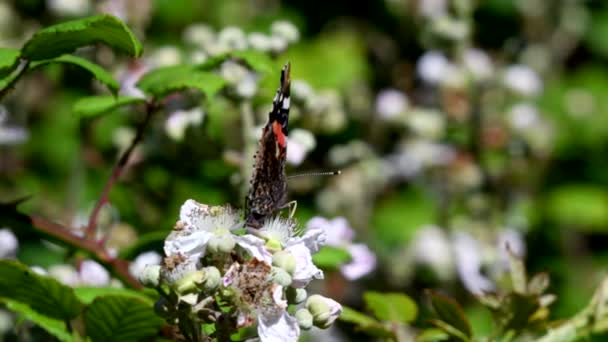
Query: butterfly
268	192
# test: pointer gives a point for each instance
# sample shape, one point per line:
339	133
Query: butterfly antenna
307	174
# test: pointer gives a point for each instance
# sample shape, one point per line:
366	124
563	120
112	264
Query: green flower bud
304	318
295	296
280	276
150	276
284	260
324	310
274	245
211	280
188	283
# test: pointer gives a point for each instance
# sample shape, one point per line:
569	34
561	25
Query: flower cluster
217	272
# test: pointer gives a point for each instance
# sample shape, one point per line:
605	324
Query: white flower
233	37
248	86
8	244
233	72
279	327
510	240
301	90
178	121
72	8
431	247
286	30
66	274
260	41
469	262
144	259
432	67
523	116
522	80
197	225
427	123
10	135
451	28
362	263
337	230
199	34
299	143
166	55
92	273
478	63
432	8
302	248
278	44
390	103
6	322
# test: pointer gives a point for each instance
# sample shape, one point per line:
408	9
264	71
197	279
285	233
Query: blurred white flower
452	28
144	259
10	135
233	72
7	322
362	263
260	41
432	66
166	56
248	86
431	247
178	121
278	44
301	90
337	230
513	241
299	142
66	274
8	244
71	8
478	63
130	77
469	263
523	116
198	57
390	103
428	124
415	155
93	274
286	30
522	80
278	327
199	35
233	37
432	8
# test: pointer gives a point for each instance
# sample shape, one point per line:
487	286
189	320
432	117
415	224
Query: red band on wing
278	133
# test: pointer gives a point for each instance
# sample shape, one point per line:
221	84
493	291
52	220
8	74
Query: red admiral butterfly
268	193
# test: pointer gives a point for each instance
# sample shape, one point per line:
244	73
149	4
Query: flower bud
212	279
304	318
150	276
273	245
188	283
296	296
284	260
280	276
324	310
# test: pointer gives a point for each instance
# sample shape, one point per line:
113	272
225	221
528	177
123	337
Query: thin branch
117	172
23	67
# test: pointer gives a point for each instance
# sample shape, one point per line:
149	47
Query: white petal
305	269
313	239
8	243
144	259
191	214
92	273
280	328
363	262
255	246
191	245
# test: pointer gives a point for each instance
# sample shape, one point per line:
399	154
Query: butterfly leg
292	208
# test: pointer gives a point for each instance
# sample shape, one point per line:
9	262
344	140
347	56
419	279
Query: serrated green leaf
450	312
391	307
96	105
88	294
56	40
257	60
43	294
97	71
9	59
163	81
120	318
331	257
53	326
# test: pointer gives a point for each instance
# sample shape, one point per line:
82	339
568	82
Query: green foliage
43	294
9	59
163	81
120	318
391	307
98	72
88	294
579	206
66	37
53	326
93	106
451	317
365	323
331	257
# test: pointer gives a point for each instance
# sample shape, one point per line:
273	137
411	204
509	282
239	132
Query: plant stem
23	67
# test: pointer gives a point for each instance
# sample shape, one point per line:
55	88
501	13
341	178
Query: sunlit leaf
391	307
53	326
331	257
579	206
163	81
364	323
56	40
97	105
9	59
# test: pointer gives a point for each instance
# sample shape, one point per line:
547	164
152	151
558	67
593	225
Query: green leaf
66	37
579	206
257	60
391	307
43	294
331	257
97	71
450	312
96	105
9	59
163	81
432	335
53	326
517	271
120	318
365	323
88	294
